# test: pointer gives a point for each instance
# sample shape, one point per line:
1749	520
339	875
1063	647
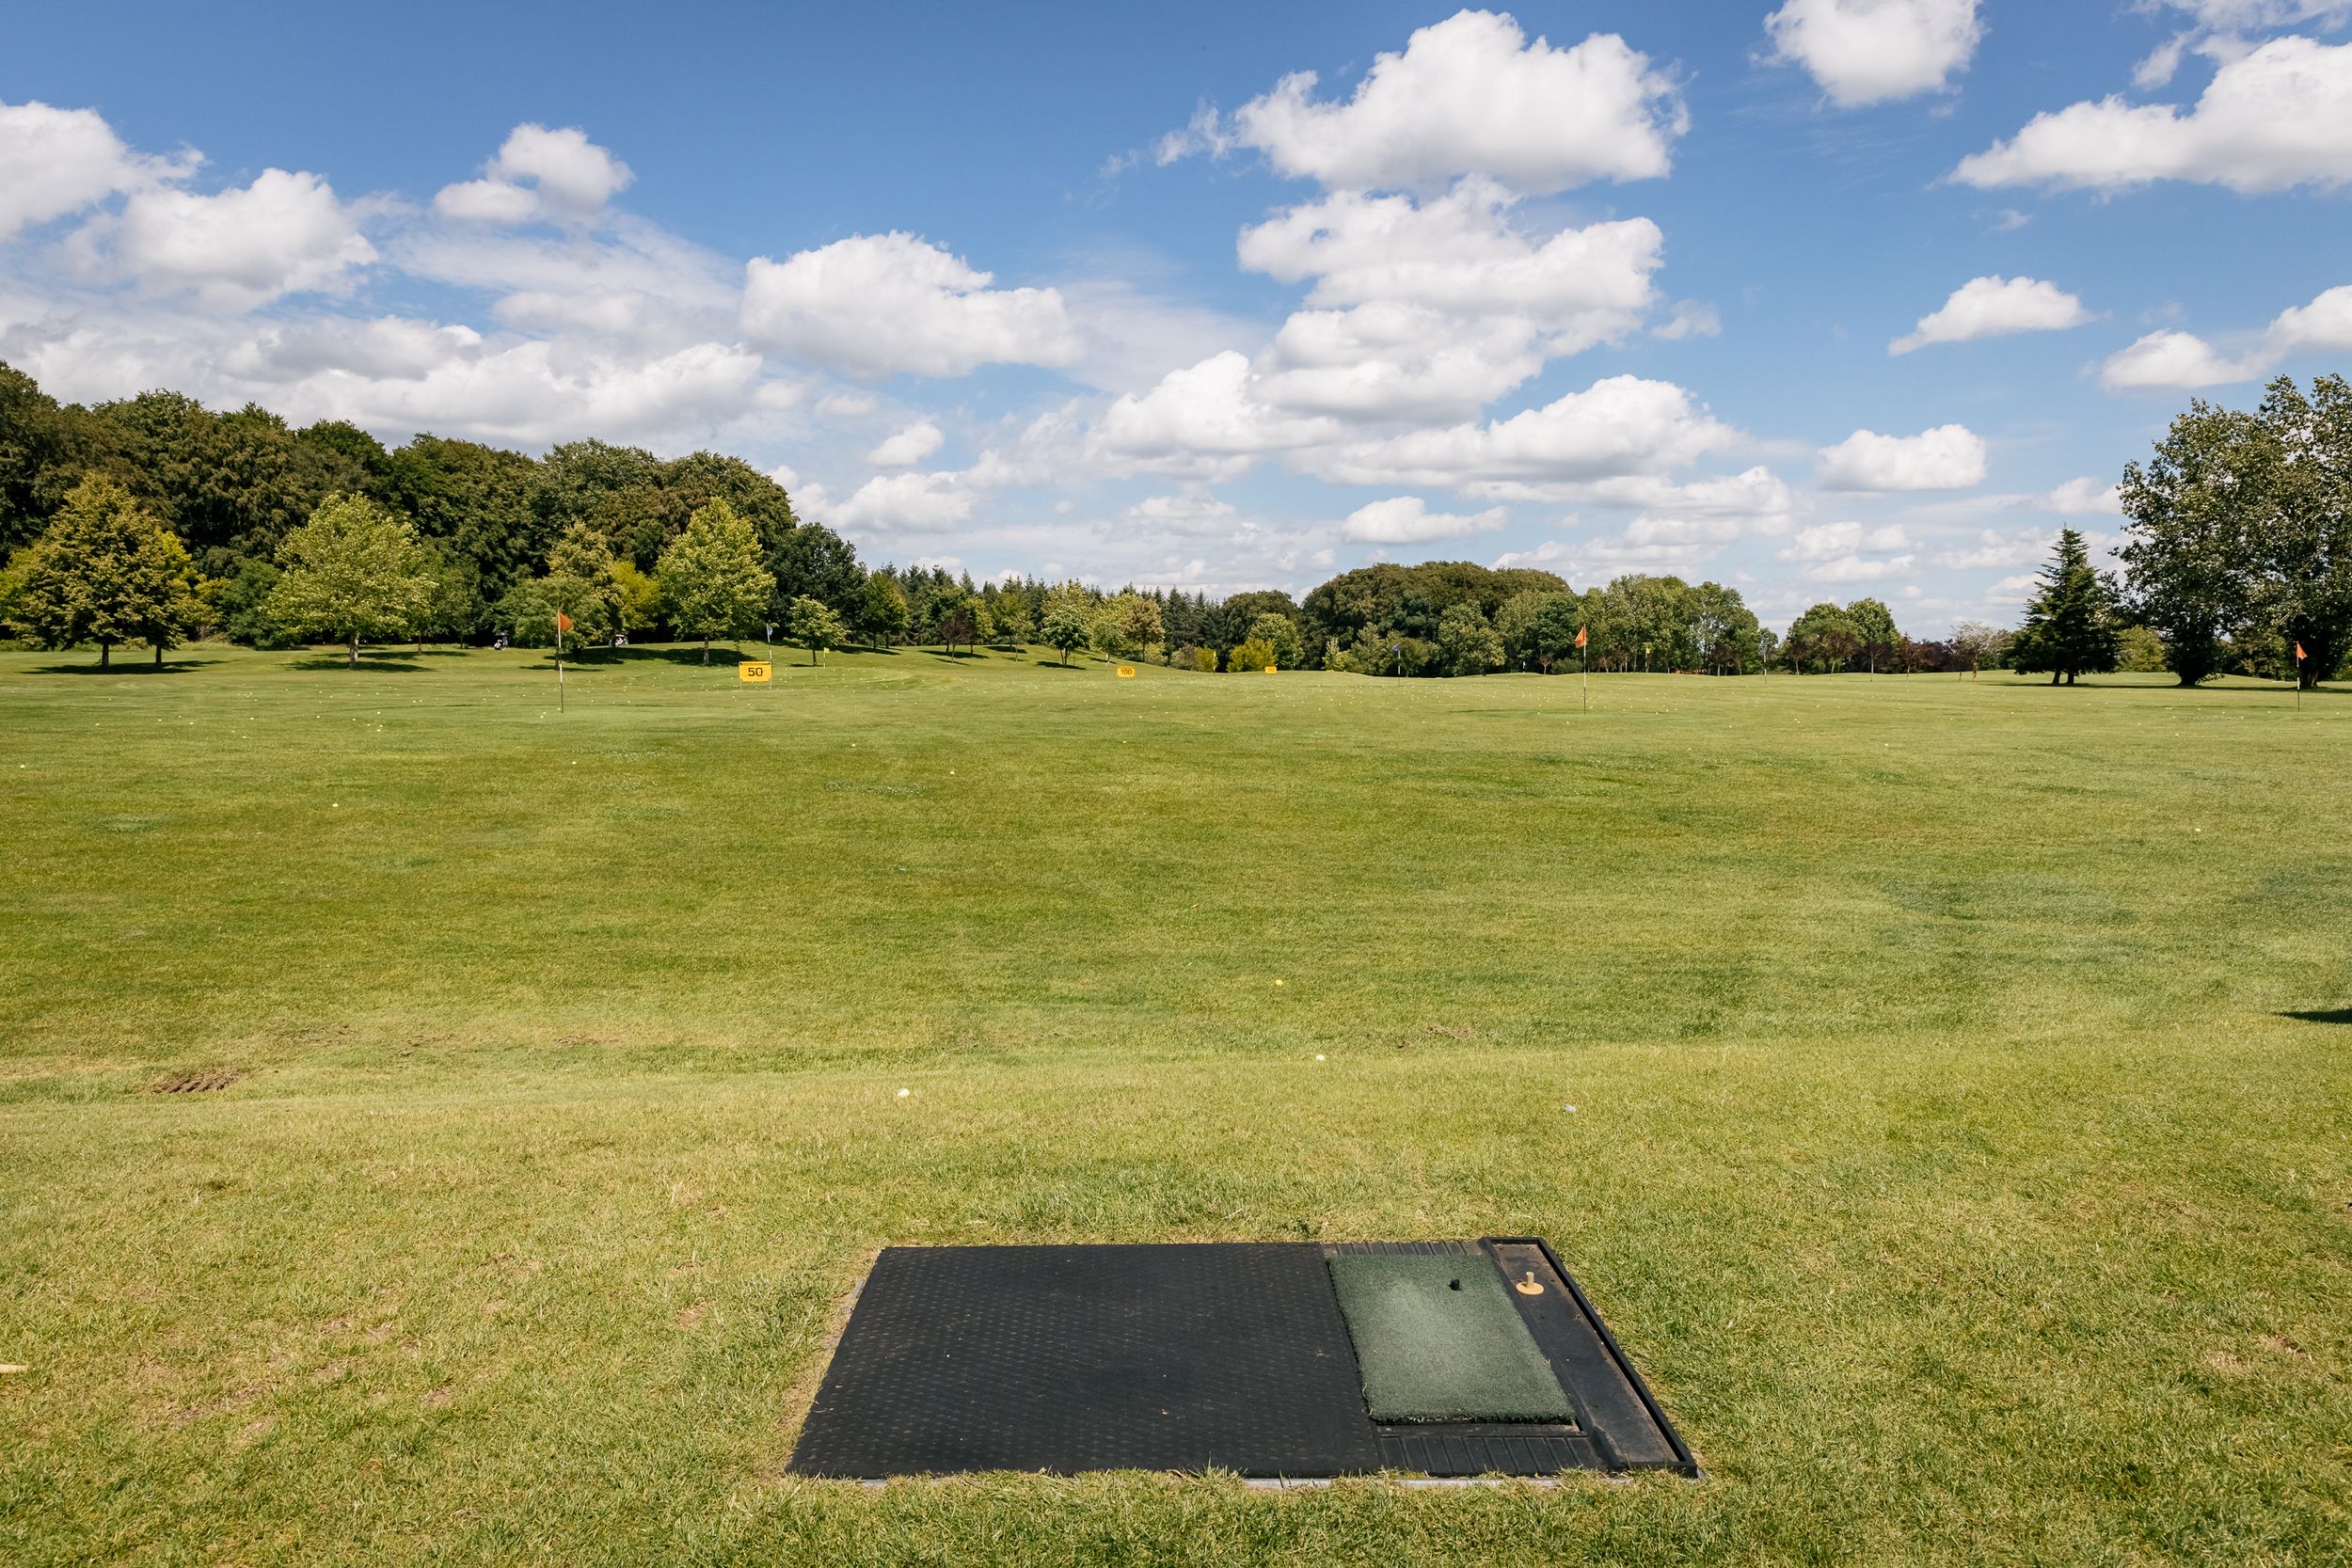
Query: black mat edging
1686	1463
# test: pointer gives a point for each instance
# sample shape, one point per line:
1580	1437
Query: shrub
1250	657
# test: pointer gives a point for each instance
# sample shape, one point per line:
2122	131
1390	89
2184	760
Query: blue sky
1820	298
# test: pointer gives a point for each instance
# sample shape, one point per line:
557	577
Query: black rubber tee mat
1184	1357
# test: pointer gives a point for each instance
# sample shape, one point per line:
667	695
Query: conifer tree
2071	625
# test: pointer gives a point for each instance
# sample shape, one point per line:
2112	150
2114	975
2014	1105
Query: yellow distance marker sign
1126	672
756	672
1269	669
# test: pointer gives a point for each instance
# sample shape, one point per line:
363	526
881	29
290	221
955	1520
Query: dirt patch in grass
202	1081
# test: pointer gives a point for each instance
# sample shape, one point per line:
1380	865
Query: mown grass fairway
1944	1148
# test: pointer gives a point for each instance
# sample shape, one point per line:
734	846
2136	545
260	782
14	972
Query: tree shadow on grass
126	667
1054	664
2322	1015
370	662
722	655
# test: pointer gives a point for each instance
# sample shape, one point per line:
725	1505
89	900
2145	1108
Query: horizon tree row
155	519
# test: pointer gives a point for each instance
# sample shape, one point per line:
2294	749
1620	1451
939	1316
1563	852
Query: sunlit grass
1942	1152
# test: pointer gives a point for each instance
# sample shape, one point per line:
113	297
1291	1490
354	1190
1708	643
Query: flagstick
559	669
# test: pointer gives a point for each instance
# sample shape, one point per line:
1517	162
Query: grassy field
1962	1075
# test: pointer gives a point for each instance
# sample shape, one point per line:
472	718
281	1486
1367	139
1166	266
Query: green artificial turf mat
1437	1339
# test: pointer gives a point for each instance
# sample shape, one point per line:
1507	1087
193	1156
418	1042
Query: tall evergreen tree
2071	624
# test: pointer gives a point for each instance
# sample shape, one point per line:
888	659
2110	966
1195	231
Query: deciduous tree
353	572
1280	633
1874	628
2304	543
881	615
711	579
580	586
1979	643
106	571
1251	656
2190	563
1069	622
1467	642
815	626
1825	636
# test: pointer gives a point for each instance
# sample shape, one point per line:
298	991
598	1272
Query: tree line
156	520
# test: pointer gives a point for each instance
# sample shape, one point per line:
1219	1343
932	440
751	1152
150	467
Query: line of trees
156	520
450	540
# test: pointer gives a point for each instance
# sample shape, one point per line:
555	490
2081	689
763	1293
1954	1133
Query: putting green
1437	1339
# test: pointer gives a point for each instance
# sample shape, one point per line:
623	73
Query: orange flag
2299	655
1580	637
562	622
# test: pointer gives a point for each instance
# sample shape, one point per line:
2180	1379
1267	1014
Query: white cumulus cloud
908	503
2325	323
1994	306
1622	425
2276	117
1864	52
284	233
1432	308
539	172
1190	513
1469	95
908	447
54	162
2079	498
1205	418
1692	317
2173	358
876	305
1948	457
1407	520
